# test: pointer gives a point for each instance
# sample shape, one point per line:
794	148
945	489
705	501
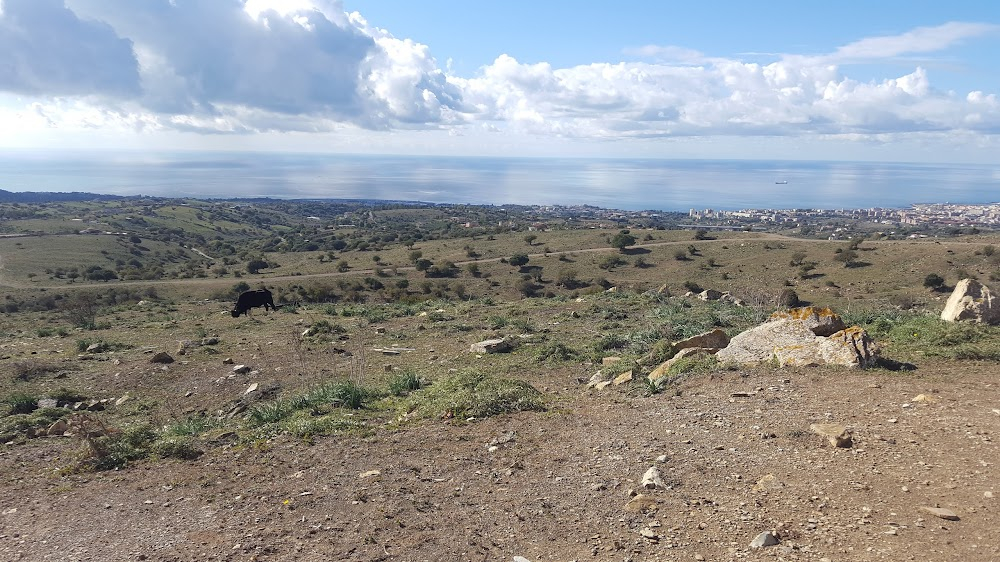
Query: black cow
252	299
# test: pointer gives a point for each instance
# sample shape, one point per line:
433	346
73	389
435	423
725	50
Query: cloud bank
306	66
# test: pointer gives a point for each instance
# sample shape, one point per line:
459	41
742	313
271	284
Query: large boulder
971	301
822	321
851	347
791	342
757	345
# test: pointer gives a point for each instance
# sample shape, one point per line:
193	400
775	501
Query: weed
176	446
557	351
29	369
404	382
189	427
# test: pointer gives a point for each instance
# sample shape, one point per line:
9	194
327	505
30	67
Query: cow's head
235	313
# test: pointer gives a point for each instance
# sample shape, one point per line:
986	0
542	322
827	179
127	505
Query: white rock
653	479
764	539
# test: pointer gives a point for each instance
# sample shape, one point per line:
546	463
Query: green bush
20	403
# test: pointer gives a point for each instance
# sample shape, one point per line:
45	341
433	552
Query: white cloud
251	67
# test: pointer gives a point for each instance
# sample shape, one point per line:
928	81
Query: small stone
370	473
227	361
161	357
241	369
836	434
767	482
622	378
924	399
987	494
653	479
661	458
764	539
251	388
699	557
521	559
640	503
941	513
650	534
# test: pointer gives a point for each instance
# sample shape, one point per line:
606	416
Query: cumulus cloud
251	66
47	49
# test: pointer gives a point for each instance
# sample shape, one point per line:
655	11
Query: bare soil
554	485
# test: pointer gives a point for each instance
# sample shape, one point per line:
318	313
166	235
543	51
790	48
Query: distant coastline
627	184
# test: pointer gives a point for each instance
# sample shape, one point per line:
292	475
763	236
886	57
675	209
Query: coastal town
933	215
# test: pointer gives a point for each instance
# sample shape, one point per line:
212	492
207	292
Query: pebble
941	513
764	539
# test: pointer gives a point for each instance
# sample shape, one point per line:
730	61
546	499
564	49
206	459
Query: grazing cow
252	299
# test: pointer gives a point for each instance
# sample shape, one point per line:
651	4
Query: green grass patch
908	336
474	394
404	382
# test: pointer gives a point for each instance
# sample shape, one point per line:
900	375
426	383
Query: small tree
934	282
518	260
256	264
530	239
622	240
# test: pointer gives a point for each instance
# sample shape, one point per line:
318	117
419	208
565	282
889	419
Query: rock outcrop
802	337
822	321
971	301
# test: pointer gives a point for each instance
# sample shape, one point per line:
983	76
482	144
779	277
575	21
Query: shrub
557	351
933	281
28	369
475	394
20	403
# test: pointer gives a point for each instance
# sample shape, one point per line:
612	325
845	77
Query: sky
911	81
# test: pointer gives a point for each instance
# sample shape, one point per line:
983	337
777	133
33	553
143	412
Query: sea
613	183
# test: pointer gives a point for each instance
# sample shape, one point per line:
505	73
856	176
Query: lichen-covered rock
851	347
822	321
972	301
715	339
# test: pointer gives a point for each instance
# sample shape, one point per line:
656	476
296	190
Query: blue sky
849	80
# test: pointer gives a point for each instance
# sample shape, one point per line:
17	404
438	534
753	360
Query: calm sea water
628	184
